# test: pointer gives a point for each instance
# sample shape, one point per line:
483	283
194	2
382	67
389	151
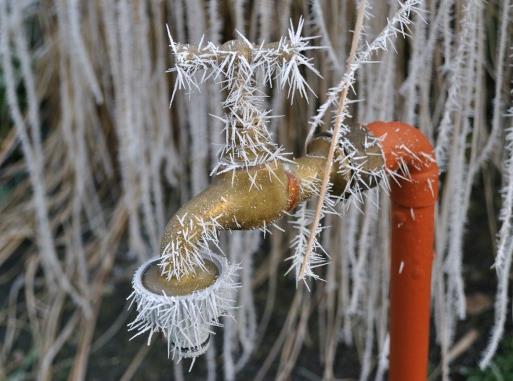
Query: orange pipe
413	207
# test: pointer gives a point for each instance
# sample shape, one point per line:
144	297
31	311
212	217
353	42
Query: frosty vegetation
94	161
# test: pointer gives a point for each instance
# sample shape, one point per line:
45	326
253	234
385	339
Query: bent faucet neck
251	198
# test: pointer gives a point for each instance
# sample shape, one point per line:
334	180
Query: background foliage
93	161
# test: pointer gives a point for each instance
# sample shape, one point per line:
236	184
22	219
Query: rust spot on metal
293	191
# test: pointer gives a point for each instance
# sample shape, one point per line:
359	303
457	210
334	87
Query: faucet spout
242	199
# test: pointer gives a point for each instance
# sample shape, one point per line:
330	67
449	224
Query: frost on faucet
186	291
255	184
236	65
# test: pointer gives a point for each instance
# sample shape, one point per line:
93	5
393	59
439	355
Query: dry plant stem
294	343
287	327
7	145
109	246
135	363
461	346
334	140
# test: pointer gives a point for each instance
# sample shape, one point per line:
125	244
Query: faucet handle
276	60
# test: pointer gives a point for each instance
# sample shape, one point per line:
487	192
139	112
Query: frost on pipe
184	311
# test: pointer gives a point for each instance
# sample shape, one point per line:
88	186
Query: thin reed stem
336	131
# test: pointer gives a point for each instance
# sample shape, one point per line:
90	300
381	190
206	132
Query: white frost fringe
186	321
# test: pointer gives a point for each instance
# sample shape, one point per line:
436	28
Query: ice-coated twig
303	217
498	110
331	152
397	25
318	20
456	72
504	256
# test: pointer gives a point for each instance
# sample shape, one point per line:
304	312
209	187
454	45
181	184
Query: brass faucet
256	197
187	290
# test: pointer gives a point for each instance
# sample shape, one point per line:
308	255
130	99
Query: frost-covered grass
98	161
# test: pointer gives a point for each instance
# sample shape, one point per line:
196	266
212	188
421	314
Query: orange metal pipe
413	207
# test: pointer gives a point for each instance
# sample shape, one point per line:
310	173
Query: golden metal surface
156	283
369	155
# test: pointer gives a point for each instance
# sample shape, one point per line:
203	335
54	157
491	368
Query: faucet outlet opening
185	310
153	280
